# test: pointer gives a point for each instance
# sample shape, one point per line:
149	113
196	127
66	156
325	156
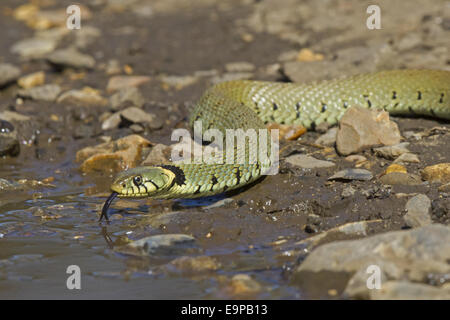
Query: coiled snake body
252	104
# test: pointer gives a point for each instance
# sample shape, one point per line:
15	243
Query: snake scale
249	104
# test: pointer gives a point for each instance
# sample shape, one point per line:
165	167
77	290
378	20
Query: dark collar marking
180	178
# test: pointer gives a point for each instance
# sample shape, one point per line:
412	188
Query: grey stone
329	138
308	162
163	244
410	256
418	211
130	95
71	58
401	178
392	152
8	74
34	48
239	67
407	158
352	174
46	92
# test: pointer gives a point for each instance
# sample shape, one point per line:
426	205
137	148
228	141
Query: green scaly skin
252	104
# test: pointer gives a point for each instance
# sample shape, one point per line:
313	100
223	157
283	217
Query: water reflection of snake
252	104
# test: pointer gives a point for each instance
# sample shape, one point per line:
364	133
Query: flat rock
410	256
119	82
34	48
46	92
328	138
239	67
401	178
392	152
85	97
32	80
308	162
418	211
437	173
159	154
352	174
362	128
8	74
162	244
71	58
407	158
129	96
113	156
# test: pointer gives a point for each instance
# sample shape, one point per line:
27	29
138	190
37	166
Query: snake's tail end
106	206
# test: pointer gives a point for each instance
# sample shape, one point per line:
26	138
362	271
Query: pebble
329	138
239	67
113	156
407	158
361	128
392	152
85	97
418	211
8	74
162	244
160	153
34	48
352	174
178	82
46	92
131	96
444	187
32	80
136	115
395	168
400	178
71	58
308	162
437	173
194	265
9	143
355	158
119	82
243	285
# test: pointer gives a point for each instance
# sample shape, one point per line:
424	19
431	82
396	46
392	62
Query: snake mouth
107	205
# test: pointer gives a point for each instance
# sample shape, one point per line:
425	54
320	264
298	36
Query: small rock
361	128
404	290
71	58
395	168
6	185
239	67
32	80
8	74
418	211
444	187
400	178
243	285
407	158
392	152
129	95
308	162
136	115
328	139
307	55
159	154
137	128
355	158
114	156
195	265
409	41
34	48
85	97
112	122
352	174
232	76
86	36
162	244
46	92
437	173
178	82
113	67
119	82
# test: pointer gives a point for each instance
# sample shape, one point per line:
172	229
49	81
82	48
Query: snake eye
137	180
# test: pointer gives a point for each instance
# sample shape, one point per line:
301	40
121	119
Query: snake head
142	181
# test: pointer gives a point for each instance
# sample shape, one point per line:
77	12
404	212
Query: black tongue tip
106	206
